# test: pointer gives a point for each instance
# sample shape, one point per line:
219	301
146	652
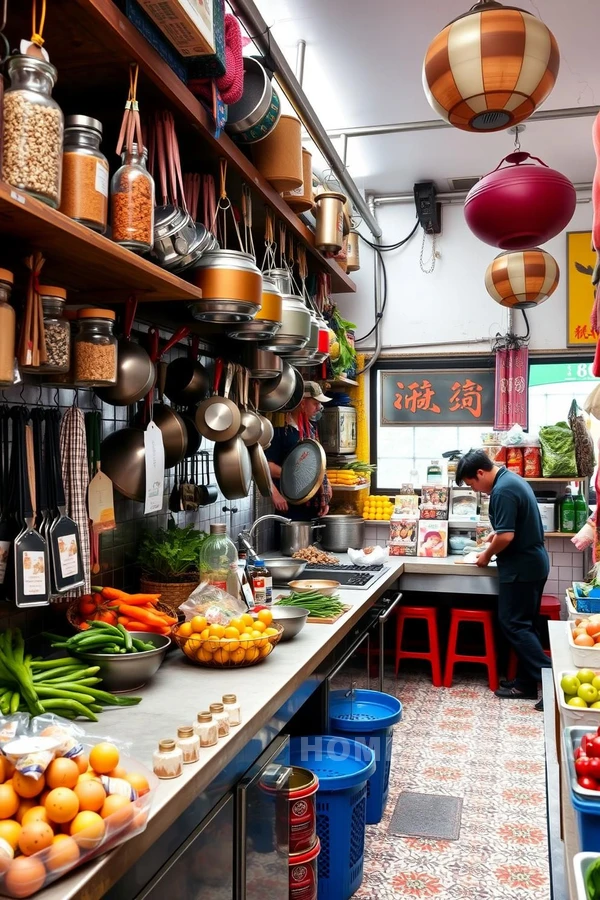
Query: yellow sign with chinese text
581	260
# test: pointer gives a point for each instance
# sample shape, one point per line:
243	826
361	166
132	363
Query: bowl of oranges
244	641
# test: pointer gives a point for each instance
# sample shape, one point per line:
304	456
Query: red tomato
582	766
594	768
590	783
587	737
593	747
86	606
579	752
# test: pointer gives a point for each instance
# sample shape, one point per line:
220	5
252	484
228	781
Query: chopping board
319	621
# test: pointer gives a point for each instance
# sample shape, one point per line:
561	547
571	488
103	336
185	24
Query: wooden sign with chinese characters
581	260
442	397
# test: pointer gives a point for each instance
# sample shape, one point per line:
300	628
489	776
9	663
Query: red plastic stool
486	617
429	613
549	609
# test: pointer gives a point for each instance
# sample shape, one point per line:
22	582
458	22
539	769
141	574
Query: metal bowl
292	618
284	568
306	586
121	672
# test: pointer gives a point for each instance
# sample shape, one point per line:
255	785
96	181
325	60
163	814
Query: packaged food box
407	505
187	24
404	530
433	539
434	502
398	549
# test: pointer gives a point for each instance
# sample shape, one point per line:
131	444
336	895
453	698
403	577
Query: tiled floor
464	742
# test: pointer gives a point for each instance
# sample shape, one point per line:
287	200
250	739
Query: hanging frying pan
302	472
260	470
252	426
298	393
187	379
218	418
135	369
276	392
124	461
233	468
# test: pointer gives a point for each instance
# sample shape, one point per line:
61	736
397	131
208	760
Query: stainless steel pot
263	364
202	243
267	320
305	356
295	326
281	278
174	235
231	287
342	532
297	536
254	116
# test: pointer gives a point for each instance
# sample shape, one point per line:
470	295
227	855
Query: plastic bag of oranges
217	606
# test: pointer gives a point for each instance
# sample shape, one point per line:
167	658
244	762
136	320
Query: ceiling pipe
543	115
300	55
450	197
377	281
260	34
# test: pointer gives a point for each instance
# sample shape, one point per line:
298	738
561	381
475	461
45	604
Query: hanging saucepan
218	418
123	459
297	394
267	320
233	469
187	379
252	428
256	114
276	392
135	369
330	221
231	285
295	326
263	364
194	438
260	470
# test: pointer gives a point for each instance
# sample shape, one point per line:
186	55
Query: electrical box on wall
429	213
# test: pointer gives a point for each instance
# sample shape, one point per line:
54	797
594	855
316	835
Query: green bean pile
101	638
319	605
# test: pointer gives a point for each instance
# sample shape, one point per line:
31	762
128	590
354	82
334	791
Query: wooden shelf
81	260
349	487
566	534
567	479
84	33
341	382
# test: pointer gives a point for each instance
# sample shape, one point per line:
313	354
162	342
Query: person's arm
498	543
274	456
585	536
274	469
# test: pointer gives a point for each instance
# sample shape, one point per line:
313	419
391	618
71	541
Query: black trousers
518	613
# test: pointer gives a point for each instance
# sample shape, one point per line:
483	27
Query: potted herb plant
169	559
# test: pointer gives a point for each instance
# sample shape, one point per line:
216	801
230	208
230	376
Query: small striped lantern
522	278
490	68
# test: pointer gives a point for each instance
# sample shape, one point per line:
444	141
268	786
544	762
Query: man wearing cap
299	424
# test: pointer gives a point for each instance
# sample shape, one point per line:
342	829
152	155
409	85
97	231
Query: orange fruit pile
243	640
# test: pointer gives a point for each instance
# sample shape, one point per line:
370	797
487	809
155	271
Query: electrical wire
526	336
385	248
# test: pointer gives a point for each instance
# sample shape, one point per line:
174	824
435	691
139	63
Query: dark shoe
515	693
508	684
540	705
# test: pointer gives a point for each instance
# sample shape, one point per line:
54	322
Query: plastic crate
369	717
585	803
343	767
589	718
581	861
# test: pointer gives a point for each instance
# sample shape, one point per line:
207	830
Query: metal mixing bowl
284	568
292	618
121	672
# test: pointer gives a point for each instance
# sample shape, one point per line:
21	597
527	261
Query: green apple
596	682
577	701
595	705
569	697
570	683
586	676
588	693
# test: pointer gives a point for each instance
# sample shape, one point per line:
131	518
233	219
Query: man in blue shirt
522	560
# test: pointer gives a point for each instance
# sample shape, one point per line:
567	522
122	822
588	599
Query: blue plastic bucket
343	767
369	717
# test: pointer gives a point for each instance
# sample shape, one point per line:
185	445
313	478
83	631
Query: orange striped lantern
490	68
522	278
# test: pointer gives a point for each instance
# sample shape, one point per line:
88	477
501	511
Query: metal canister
281	278
304	877
295	326
353	252
305	356
267	320
330	221
231	287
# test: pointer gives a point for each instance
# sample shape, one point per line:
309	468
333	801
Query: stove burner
345	567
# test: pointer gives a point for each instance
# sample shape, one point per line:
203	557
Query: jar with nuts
57	332
33	130
132	201
95	348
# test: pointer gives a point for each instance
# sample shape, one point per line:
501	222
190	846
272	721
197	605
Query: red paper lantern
522	278
522	206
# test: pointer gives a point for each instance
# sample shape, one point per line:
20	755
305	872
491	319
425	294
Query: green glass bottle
567	513
581	510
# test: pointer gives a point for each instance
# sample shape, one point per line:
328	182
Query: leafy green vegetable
347	358
592	880
171	554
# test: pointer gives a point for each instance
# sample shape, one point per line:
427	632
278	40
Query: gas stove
349	576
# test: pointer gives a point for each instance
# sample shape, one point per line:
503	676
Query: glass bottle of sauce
262	584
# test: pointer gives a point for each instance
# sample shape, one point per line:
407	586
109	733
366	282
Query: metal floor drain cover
434	816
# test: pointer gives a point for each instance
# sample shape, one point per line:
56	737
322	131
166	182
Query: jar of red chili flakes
532	461
514	460
132	199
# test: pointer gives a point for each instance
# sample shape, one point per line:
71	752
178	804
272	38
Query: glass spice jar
167	761
84	194
95	348
56	328
132	202
221	718
206	729
188	743
7	329
33	130
233	710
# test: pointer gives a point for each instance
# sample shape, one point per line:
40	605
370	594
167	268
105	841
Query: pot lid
302	471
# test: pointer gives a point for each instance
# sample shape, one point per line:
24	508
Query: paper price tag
155	469
101	505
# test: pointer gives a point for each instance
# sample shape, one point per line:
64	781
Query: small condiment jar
188	743
56	328
206	729
221	718
167	761
233	710
95	347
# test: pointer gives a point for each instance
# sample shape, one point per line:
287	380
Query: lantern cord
526	336
511	341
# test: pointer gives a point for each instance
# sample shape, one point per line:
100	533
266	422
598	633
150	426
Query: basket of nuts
244	641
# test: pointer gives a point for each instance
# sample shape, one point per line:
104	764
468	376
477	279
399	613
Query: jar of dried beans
33	130
132	201
84	195
95	348
57	332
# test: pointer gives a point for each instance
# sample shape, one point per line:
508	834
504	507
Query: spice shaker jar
84	194
221	718
132	200
167	761
56	327
206	729
7	329
95	348
188	743
33	130
233	710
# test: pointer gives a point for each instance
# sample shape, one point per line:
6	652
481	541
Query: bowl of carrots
135	612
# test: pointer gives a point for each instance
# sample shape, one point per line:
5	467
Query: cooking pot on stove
342	532
521	206
297	536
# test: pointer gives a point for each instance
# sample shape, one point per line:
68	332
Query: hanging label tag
28	48
68	554
101	505
34	573
155	469
246	592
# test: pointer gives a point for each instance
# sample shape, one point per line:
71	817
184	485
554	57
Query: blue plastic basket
343	767
369	716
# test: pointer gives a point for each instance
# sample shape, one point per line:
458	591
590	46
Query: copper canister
330	221
231	287
278	157
301	200
353	252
